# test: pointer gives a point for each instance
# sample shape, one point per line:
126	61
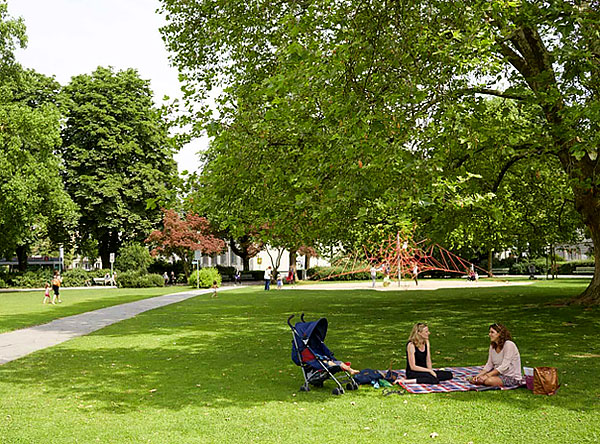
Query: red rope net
403	256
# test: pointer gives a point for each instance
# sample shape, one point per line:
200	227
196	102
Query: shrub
128	279
31	279
137	279
226	271
317	273
205	276
3	284
133	257
150	280
75	277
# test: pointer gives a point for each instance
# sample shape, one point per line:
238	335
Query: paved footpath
19	343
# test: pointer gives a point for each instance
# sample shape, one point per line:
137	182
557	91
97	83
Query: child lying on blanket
419	368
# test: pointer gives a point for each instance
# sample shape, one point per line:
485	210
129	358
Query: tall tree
33	203
118	158
388	71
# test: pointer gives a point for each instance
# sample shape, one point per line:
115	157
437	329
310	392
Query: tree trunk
591	295
108	243
241	251
22	252
306	262
490	259
293	255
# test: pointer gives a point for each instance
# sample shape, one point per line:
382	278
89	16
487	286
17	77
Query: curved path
19	343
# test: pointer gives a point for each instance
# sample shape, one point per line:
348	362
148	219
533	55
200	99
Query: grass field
219	371
22	309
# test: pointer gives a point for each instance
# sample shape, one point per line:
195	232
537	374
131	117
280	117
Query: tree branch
493	92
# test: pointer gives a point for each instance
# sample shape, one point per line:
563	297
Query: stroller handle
289	319
302	317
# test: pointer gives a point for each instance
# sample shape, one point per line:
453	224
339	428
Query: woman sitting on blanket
503	367
418	359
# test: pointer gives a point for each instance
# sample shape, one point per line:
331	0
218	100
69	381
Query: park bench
584	270
99	281
497	271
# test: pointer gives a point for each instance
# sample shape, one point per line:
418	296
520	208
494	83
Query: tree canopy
377	85
118	156
33	202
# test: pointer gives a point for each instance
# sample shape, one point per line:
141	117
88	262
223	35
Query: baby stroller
311	354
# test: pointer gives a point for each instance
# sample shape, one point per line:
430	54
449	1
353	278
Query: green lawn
219	371
20	309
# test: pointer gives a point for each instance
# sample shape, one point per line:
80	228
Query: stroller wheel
305	388
352	386
337	391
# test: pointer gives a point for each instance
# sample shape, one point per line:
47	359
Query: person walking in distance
56	281
267	278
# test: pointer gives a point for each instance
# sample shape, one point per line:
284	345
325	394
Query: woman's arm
489	366
410	351
429	364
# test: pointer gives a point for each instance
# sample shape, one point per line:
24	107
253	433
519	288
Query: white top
267	274
507	362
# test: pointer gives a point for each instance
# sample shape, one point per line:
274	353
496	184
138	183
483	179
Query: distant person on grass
166	278
419	368
56	281
47	294
279	281
267	278
214	289
373	275
503	367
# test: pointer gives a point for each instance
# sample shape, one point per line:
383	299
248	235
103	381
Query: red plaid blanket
458	383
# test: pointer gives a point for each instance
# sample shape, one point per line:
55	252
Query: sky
72	37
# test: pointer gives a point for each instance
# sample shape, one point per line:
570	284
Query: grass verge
22	309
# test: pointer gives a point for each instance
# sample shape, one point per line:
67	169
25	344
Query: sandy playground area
424	284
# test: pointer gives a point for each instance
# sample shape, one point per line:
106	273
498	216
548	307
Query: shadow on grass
235	350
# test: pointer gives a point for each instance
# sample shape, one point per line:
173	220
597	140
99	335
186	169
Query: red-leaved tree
183	236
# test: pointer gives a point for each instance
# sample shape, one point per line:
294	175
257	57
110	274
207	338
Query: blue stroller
317	362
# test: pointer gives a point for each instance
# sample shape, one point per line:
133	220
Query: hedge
205	277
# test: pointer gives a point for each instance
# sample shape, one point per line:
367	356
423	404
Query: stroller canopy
312	331
310	336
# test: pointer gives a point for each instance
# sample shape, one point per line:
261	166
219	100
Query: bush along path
19	343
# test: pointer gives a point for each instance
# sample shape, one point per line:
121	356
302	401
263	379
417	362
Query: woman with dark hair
419	368
503	367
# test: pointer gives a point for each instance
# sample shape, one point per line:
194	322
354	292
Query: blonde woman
419	368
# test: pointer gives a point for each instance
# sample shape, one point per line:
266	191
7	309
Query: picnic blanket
458	383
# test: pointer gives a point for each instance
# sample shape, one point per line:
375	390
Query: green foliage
316	273
133	257
137	279
3	284
334	116
31	279
205	277
226	271
33	203
118	158
76	277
